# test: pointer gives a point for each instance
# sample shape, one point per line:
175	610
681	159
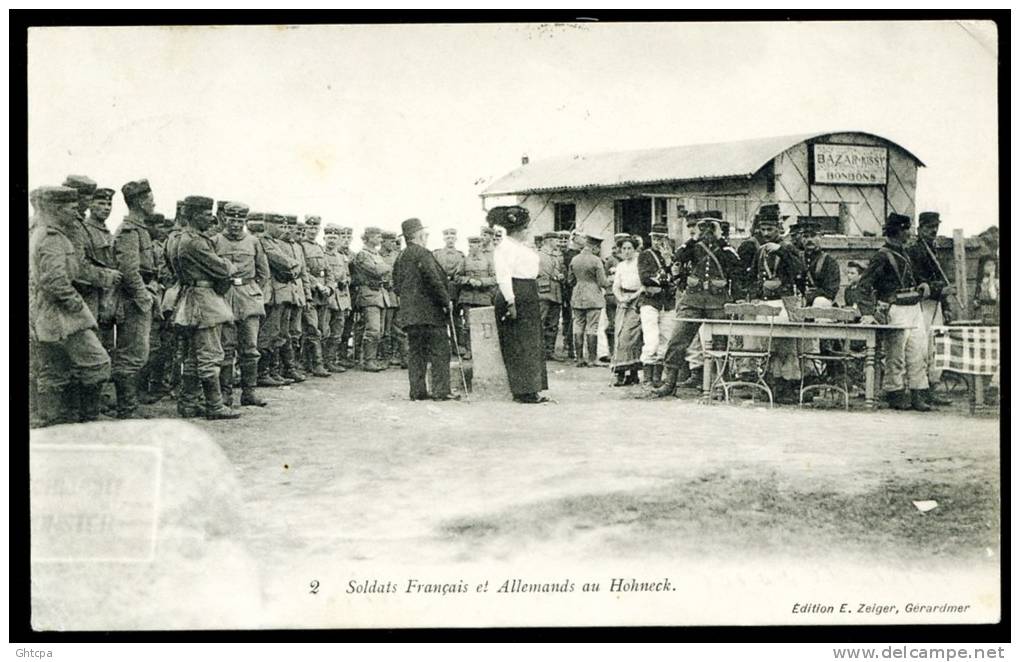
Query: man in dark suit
424	291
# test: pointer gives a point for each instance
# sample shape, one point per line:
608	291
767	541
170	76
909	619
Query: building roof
651	166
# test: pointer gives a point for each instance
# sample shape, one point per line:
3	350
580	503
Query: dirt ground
346	472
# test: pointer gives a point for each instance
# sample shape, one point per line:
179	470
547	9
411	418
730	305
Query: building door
634	216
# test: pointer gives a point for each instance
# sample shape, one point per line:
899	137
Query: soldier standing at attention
372	272
588	276
476	288
347	355
70	359
150	378
550	296
318	293
899	293
338	306
452	261
934	307
488	235
201	309
291	350
240	337
132	246
279	297
709	267
189	390
99	249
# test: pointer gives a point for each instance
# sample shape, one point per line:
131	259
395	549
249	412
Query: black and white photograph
518	324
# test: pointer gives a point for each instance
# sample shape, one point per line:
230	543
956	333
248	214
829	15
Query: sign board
93	502
858	165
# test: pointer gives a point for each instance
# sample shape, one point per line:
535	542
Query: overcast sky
368	125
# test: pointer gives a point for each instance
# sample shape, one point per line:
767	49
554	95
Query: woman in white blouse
518	315
627	287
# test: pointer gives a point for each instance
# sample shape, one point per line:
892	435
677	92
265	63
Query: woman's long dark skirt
520	340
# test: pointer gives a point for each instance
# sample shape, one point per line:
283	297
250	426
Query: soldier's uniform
372	273
708	267
476	288
588	278
293	302
890	272
136	260
317	295
102	301
774	280
550	295
201	307
240	338
349	356
393	336
657	305
567	253
452	262
934	306
70	361
152	378
338	303
189	396
488	235
279	294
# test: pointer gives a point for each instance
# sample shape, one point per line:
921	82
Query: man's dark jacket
421	284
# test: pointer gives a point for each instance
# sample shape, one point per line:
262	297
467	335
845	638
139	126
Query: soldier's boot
346	357
934	399
918	401
189	398
90	402
276	367
621	378
265	377
667	383
226	380
52	408
579	343
647	374
289	368
657	376
214	407
398	357
127	395
315	352
593	350
898	400
249	379
693	377
372	364
632	377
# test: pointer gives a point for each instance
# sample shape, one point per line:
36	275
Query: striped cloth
973	350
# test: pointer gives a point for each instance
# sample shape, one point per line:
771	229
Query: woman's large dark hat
510	217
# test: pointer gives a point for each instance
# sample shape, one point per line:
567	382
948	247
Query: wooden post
960	271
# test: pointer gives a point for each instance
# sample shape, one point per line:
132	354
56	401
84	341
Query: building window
565	215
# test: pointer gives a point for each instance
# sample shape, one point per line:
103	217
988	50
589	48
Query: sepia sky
368	125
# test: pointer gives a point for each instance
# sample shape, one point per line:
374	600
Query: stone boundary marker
489	379
137	525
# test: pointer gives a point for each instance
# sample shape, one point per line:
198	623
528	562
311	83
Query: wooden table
799	330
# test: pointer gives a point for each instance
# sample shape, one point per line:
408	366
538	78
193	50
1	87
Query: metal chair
725	360
843	357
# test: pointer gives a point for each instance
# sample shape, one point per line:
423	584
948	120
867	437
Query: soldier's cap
235	209
274	219
897	222
550	235
659	230
371	230
926	218
407	228
855	265
256	216
692	219
620	235
331	228
563	234
450	231
140	187
346	229
55	195
710	214
103	194
768	215
386	234
809	225
220	205
290	219
511	217
194	203
474	240
256	224
84	185
313	220
155	218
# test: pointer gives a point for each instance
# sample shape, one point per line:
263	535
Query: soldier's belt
197	283
242	281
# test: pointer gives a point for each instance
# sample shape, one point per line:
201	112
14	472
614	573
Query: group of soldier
214	298
221	296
